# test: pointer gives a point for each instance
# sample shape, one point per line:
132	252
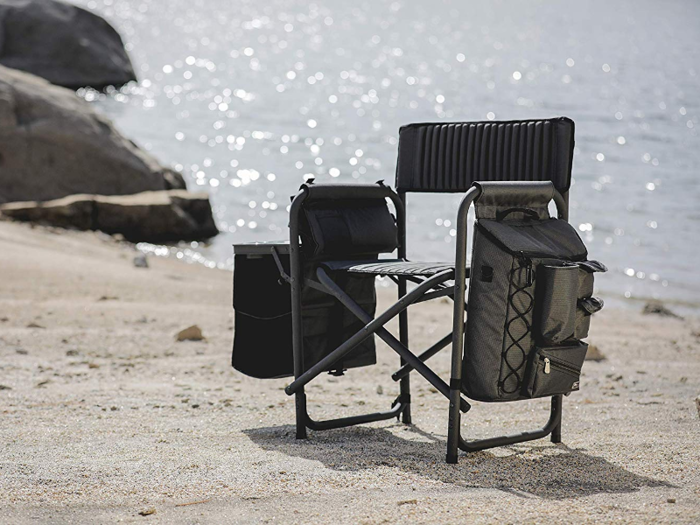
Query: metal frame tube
371	327
388	338
405	384
406	369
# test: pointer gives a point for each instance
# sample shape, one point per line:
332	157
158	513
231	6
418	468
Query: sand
105	415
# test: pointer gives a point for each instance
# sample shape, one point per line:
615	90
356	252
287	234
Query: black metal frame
426	289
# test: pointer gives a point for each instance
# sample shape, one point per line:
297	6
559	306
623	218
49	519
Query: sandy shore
105	415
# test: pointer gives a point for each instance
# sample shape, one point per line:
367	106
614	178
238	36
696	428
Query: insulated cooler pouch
557	297
529	297
556	369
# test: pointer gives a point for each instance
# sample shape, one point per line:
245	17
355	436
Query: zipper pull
547	368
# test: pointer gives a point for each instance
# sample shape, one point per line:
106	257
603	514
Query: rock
53	144
594	353
191	333
656	308
62	43
697	404
155	216
5	387
140	261
35	325
147	512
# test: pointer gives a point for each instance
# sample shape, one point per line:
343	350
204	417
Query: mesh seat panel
390	267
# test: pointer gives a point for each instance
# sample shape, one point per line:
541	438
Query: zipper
551	362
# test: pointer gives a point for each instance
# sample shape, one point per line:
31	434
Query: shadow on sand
546	470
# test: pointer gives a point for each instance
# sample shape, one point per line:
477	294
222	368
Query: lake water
248	98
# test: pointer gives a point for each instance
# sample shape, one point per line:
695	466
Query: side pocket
556	369
557	293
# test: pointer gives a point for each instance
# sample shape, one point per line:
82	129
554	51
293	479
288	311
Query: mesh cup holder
557	298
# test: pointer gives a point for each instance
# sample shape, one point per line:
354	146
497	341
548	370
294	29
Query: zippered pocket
556	369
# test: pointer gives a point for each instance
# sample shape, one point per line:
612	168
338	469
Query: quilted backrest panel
448	157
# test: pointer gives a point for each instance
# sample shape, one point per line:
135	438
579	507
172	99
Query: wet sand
105	415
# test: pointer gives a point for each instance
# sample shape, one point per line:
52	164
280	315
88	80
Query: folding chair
433	157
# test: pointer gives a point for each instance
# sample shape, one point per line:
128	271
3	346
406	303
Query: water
248	98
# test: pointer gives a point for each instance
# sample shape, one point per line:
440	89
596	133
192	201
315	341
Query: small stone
656	308
4	319
108	298
147	512
191	333
5	387
72	353
380	390
35	325
114	409
697	404
21	351
140	261
195	406
671	500
93	365
594	353
408	502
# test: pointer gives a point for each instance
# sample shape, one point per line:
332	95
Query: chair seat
390	267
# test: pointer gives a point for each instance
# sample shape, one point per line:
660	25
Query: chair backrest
448	157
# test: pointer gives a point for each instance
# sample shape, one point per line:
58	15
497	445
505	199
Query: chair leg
300	401
405	384
453	429
557	402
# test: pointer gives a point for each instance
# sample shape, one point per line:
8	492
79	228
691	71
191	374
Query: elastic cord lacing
520	317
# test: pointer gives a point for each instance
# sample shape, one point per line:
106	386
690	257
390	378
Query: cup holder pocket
557	291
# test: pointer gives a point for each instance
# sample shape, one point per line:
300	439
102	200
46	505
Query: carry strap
529	213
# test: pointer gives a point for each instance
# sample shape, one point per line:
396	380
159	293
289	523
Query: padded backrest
449	157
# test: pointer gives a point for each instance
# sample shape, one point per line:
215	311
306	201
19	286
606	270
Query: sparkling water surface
250	98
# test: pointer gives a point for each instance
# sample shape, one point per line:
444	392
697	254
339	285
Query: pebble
191	333
140	261
656	308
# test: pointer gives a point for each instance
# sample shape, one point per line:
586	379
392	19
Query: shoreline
107	416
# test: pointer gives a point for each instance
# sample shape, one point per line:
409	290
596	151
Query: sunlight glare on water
251	98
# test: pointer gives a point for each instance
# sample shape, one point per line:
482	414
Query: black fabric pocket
556	369
339	229
557	293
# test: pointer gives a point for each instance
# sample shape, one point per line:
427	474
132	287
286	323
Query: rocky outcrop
62	43
53	144
155	216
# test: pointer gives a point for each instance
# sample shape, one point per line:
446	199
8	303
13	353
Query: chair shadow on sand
547	471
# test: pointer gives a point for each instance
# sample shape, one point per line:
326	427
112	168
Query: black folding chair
433	158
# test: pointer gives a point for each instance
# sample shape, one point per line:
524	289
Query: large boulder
62	43
53	144
153	216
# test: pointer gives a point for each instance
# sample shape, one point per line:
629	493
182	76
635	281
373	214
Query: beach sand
105	415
